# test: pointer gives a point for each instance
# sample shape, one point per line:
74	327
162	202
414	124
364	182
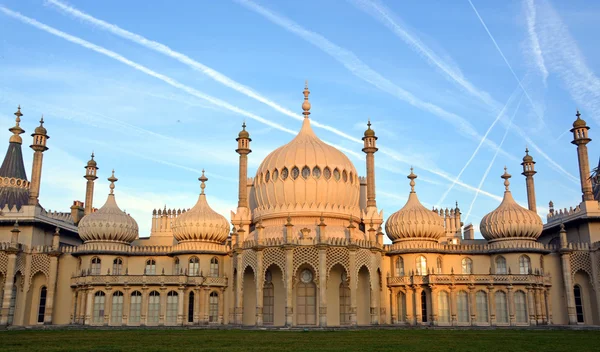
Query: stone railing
332	241
438	279
563	215
162	280
504	246
57	215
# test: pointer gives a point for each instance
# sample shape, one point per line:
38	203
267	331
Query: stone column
88	306
197	305
394	305
473	305
538	306
531	301
144	311
568	281
19	317
206	305
434	305
108	306
453	310
511	304
289	289
221	305
353	281
51	288
322	285
410	305
492	305
180	305
126	305
8	285
163	306
418	310
74	299
239	299
260	274
548	300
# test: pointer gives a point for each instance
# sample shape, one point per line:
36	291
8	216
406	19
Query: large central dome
306	175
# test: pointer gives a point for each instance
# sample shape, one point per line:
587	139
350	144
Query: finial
42	120
202	179
562	227
306	103
16	227
526	150
16	129
412	178
112	180
244	125
18	114
92	155
369	123
578	114
506	176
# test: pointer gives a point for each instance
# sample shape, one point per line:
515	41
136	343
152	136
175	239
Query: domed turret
510	221
579	122
201	223
109	223
414	222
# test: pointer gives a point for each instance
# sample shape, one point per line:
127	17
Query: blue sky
449	87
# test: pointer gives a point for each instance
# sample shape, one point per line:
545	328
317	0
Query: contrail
500	114
534	40
487	171
533	106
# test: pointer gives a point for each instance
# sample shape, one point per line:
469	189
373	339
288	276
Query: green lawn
351	340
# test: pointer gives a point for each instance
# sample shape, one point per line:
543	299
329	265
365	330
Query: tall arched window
176	267
439	265
172	303
214	267
524	265
578	304
193	266
399	266
423	306
401	307
150	267
116	316
467	266
42	305
98	317
481	300
95	267
135	307
501	308
153	307
191	307
268	299
520	307
345	310
462	300
421	265
117	266
213	312
443	307
500	265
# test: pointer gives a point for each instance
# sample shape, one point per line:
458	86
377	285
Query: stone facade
306	249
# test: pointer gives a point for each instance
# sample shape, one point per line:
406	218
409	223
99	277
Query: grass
251	340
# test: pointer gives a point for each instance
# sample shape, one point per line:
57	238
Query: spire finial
42	120
112	180
244	125
92	155
306	103
16	129
412	178
18	114
369	122
526	150
506	176
202	180
578	114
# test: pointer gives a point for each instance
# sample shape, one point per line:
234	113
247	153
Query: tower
528	172
243	150
370	147
90	175
581	139
40	137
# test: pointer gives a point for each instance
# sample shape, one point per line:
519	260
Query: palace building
305	247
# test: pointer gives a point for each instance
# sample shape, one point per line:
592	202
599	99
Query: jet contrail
534	40
487	171
500	114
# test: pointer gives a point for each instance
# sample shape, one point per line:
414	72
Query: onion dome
414	222
510	221
369	132
243	133
527	158
41	129
92	162
306	175
109	223
201	223
579	122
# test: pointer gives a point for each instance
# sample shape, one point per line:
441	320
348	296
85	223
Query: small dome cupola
510	221
414	222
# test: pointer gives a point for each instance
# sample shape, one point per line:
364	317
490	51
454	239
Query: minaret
528	172
581	139
39	147
243	150
90	175
370	147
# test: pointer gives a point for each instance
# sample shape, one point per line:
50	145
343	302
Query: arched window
336	174
345	304
521	307
117	266
423	306
191	307
268	299
116	316
267	176
194	266
421	265
482	306
399	266
214	267
500	265
467	266
401	307
98	317
501	307
351	177
153	307
172	303
135	307
462	300
42	305
275	175
578	304
316	172
295	172
213	312
176	267
524	265
150	267
443	307
439	265
305	172
95	267
345	176
284	173
327	173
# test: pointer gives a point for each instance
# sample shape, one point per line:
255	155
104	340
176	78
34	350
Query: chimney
469	232
77	211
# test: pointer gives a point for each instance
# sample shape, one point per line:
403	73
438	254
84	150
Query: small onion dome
201	223
92	162
579	122
369	132
510	221
527	158
109	223
414	222
41	129
243	133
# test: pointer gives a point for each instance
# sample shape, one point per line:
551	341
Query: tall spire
202	180
370	148
506	176
306	103
581	139
412	178
16	129
112	179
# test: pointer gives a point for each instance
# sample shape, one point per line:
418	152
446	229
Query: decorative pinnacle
202	179
16	129
369	123
578	114
112	180
92	155
412	178
18	114
506	176
42	120
306	103
57	232
526	151
244	125
16	227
